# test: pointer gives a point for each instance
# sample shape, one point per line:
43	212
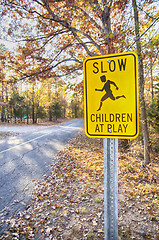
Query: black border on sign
136	98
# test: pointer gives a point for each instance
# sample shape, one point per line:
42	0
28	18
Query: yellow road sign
111	96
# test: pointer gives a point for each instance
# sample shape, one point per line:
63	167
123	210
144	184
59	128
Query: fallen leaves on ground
68	204
138	195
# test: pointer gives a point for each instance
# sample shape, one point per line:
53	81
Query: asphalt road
26	158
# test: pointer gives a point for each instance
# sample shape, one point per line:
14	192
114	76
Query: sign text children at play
111	96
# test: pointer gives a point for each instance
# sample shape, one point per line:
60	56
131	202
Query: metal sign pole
110	189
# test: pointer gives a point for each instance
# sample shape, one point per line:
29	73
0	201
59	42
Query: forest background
44	44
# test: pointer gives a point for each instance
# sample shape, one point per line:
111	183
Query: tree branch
143	33
90	18
26	76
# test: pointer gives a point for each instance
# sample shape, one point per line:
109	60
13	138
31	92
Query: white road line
24	143
37	138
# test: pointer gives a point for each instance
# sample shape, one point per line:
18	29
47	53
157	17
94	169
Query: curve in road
26	158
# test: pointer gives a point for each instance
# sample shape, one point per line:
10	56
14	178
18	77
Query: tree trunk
152	93
50	113
50	105
106	21
3	107
7	118
12	105
33	113
33	103
27	108
141	88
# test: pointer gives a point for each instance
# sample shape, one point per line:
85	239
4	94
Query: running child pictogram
107	89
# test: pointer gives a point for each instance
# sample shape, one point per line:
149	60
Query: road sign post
110	189
112	113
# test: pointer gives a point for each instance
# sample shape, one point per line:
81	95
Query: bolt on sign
111	96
